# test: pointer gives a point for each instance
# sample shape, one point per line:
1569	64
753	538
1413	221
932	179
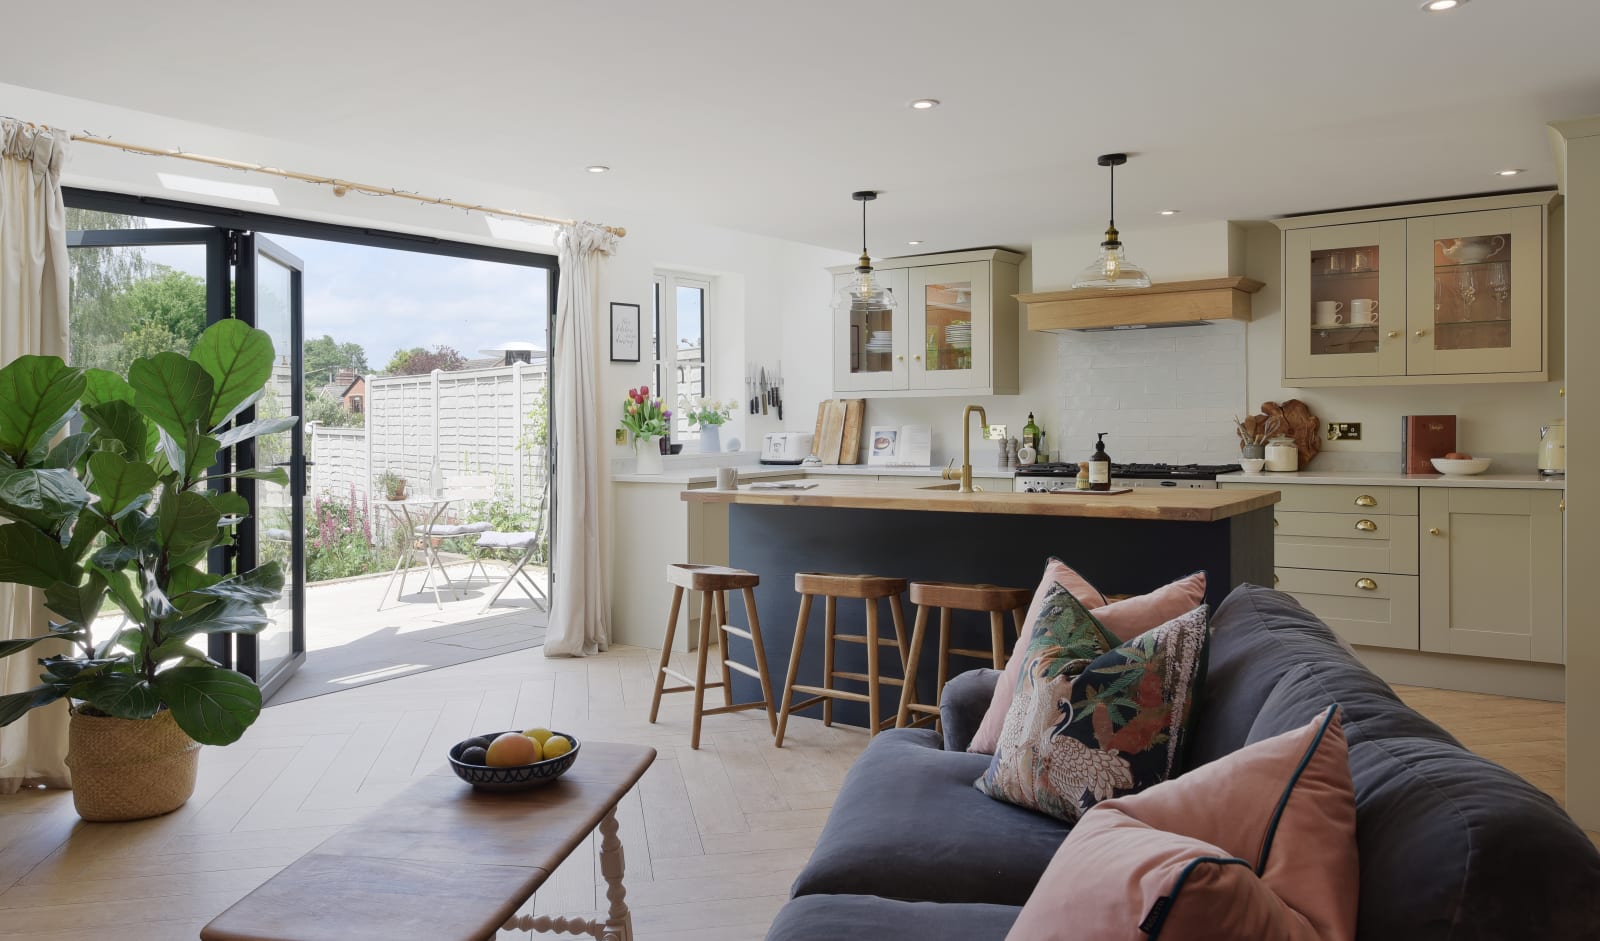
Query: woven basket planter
129	769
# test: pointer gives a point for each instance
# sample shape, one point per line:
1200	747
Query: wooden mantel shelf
1174	302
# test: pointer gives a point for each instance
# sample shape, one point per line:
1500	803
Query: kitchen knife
763	390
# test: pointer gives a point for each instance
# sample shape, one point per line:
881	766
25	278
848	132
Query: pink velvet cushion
1259	844
1126	619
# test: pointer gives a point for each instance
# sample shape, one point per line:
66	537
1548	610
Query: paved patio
350	643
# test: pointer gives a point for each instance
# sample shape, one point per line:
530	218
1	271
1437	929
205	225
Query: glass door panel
950	326
1344	301
269	288
1477	292
871	354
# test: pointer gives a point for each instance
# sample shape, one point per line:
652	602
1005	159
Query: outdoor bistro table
417	515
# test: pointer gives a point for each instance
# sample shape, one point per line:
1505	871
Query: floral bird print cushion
1093	719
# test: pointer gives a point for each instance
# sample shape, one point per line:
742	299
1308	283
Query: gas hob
1049	478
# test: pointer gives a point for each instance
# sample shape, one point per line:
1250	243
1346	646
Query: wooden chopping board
831	440
855	413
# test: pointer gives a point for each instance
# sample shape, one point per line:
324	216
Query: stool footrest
861	639
973	653
736	707
923	708
863	678
736	631
751	672
829	693
805	703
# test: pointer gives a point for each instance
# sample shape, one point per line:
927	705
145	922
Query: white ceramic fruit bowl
1252	465
1459	468
513	777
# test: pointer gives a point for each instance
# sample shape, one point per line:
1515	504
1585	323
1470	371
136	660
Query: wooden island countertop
1194	506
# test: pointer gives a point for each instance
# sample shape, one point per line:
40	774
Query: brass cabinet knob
1562	506
917	357
1433	530
1366	584
1275	578
900	358
1393	334
1366	499
1422	333
1274	522
1366	526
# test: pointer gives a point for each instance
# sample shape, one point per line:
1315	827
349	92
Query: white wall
1499	420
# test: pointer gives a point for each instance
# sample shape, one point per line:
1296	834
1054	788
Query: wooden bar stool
869	588
713	582
947	597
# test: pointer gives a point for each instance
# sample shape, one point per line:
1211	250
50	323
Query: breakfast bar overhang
1127	543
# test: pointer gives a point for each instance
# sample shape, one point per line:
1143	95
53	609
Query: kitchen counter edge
1386	479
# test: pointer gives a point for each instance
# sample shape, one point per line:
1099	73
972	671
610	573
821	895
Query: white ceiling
763	116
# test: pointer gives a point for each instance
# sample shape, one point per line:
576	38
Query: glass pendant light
864	294
1112	269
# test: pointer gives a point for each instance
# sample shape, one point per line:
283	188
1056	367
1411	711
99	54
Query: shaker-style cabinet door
1491	573
870	350
951	326
1476	292
1344	301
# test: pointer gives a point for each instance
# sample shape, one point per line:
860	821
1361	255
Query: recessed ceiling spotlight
925	104
1170	212
1439	6
597	168
915	242
1510	171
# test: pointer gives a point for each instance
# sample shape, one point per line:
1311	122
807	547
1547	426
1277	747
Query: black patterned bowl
514	777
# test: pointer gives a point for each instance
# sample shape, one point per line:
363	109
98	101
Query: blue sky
387	300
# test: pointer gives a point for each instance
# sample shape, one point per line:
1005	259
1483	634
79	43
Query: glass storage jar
1282	454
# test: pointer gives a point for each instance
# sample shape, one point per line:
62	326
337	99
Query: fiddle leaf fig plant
123	510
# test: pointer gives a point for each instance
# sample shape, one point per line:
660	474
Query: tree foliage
325	356
419	362
329	411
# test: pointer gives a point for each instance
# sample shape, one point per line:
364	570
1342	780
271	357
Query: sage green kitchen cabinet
953	330
1443	292
1491	573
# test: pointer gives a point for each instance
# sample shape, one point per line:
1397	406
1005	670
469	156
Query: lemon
539	735
556	746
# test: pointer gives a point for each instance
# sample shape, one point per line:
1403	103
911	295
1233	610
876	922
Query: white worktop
1392	479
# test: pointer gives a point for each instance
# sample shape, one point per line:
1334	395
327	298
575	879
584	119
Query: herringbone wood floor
713	838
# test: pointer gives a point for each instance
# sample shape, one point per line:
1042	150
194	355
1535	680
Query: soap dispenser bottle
1100	464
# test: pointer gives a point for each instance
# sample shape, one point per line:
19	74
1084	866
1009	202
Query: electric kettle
1553	448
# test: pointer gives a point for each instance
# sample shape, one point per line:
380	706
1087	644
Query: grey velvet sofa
1452	846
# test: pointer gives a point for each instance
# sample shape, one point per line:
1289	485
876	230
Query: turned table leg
619	922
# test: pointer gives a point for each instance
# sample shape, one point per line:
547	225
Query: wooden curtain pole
340	187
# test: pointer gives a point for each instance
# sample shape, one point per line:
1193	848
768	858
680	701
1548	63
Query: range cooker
1049	478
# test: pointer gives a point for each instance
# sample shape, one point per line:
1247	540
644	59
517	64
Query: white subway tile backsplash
1161	395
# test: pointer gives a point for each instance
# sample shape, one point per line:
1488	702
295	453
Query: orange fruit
512	748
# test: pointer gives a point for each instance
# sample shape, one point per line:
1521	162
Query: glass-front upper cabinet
1345	301
949	319
871	353
1476	292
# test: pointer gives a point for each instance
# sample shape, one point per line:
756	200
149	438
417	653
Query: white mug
1363	310
1328	313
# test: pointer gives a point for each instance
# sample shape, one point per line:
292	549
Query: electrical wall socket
1344	431
995	432
622	436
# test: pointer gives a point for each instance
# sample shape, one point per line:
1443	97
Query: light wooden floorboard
713	837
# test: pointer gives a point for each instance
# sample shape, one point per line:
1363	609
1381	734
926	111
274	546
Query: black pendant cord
863	227
1113	196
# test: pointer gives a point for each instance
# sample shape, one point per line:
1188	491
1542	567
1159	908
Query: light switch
1344	431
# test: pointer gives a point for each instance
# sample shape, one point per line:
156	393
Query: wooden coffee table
444	862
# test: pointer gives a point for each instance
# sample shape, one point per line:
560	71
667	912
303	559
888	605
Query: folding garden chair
529	543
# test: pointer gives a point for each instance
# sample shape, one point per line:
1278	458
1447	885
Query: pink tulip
644	390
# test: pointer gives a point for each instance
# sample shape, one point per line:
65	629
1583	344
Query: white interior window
678	329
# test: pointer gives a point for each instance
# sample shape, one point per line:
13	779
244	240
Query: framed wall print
624	333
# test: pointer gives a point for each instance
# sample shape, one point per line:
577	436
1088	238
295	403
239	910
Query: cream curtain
34	285
580	608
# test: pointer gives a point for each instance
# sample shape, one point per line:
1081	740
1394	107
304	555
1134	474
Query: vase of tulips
709	416
647	419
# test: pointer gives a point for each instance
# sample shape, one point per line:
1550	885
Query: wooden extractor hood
1172	304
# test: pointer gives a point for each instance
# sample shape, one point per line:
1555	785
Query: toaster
785	447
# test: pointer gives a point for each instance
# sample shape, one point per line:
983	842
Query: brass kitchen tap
965	473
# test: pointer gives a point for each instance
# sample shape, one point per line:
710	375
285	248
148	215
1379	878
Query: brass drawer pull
1366	584
1275	522
1433	531
1367	526
1366	499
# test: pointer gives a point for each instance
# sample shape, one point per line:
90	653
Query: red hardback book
1423	437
